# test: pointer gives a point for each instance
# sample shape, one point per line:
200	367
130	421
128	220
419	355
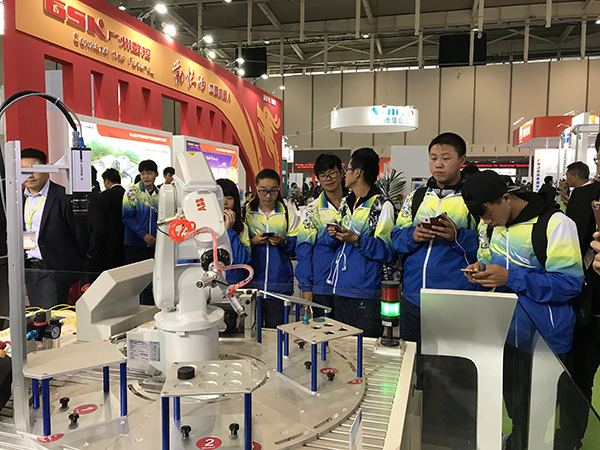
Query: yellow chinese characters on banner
76	26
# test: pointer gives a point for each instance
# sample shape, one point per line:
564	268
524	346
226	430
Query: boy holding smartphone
509	262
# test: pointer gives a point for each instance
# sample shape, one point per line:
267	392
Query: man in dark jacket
113	197
55	241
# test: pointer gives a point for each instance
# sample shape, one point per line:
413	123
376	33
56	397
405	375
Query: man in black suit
113	197
55	241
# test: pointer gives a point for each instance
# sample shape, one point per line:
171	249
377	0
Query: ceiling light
264	76
212	54
241	72
122	7
170	30
208	39
598	21
365	35
160	8
267	42
239	60
227	1
282	87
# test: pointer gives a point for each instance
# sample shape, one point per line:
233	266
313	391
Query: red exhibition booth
128	67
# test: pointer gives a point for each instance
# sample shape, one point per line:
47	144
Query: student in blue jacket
272	230
362	244
237	230
314	254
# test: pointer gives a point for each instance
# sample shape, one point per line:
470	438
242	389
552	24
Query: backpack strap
417	200
539	235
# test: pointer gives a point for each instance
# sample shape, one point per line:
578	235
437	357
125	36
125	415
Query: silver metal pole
16	277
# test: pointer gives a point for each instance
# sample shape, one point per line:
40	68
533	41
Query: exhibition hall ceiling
313	36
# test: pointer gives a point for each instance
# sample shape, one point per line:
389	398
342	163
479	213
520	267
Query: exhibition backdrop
128	67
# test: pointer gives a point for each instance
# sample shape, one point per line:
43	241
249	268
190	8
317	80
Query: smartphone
596	209
469	270
269	234
336	226
430	222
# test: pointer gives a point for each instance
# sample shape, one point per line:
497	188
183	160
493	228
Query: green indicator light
390	309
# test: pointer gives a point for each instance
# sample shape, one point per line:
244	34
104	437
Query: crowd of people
349	238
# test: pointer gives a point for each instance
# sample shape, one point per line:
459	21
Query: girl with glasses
272	231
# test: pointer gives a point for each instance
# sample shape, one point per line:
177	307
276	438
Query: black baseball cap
483	187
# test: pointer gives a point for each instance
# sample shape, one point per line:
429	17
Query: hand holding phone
268	234
430	222
335	225
469	270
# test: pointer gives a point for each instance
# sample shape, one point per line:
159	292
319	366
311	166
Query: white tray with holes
317	332
212	377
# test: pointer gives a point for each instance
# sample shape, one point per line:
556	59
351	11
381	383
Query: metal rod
279	355
105	379
177	408
123	386
259	319
359	356
286	336
292	299
16	276
248	421
46	406
313	368
165	422
323	351
35	393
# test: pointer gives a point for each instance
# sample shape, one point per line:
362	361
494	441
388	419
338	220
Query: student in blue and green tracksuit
272	230
362	244
453	246
509	262
237	230
314	254
139	215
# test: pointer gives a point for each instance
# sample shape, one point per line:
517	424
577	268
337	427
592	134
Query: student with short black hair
272	230
362	244
453	245
168	173
139	216
313	251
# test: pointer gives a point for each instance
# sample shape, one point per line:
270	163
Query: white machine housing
187	327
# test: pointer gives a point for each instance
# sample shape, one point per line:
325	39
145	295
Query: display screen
123	149
222	161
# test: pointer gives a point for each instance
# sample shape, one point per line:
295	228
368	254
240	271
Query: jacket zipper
507	268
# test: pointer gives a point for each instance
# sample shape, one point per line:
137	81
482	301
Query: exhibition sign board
375	119
133	68
541	132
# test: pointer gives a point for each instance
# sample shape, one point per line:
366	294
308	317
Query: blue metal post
46	406
286	337
297	312
248	421
123	386
359	356
165	422
313	368
259	319
279	355
35	393
177	408
323	351
105	379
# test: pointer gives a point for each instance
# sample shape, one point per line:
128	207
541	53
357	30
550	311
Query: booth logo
75	17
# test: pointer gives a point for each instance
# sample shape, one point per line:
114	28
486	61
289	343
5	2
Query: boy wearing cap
508	262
